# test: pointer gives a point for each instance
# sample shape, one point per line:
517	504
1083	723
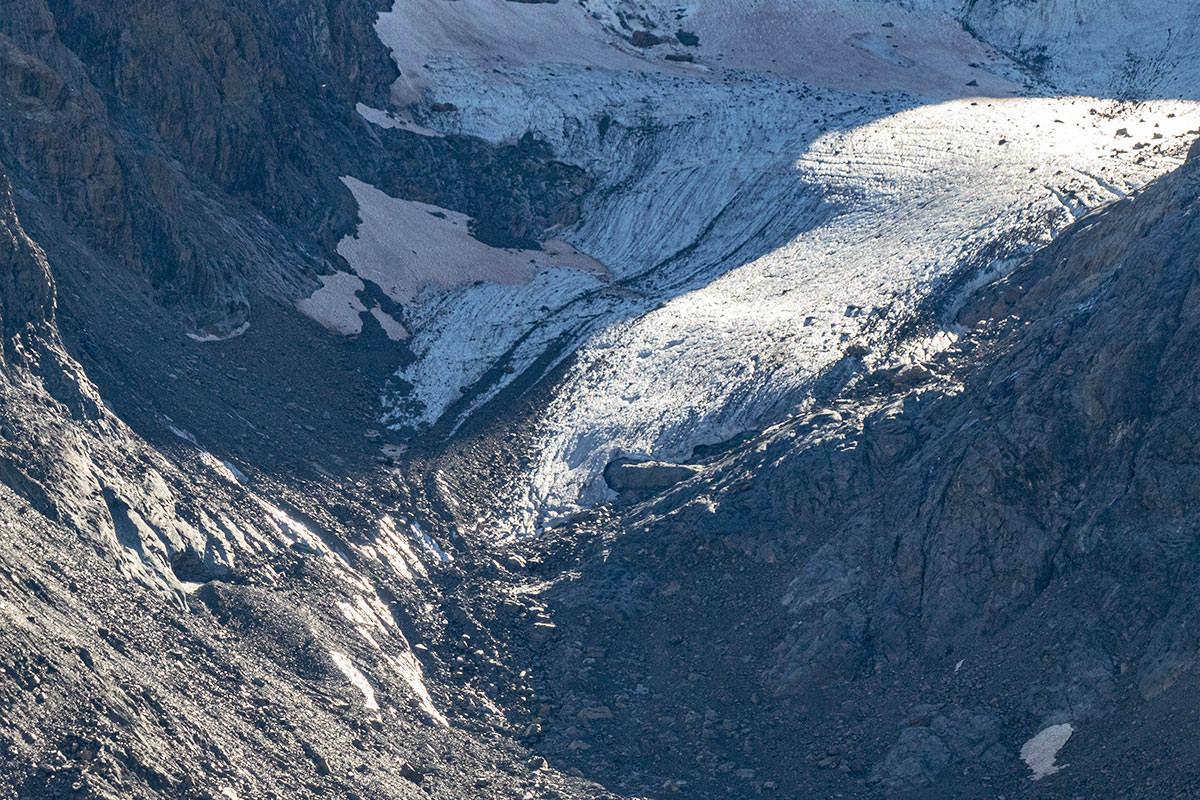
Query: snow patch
1040	752
409	669
432	547
212	337
401	121
296	534
404	246
394	547
355	676
879	47
222	468
182	434
336	305
372	620
391	328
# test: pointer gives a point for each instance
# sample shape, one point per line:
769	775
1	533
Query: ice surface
811	178
810	40
1122	49
238	475
183	434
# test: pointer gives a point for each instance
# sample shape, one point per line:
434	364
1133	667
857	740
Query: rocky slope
895	593
165	622
167	631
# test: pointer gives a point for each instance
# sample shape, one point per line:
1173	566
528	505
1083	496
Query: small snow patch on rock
1040	751
355	676
220	337
623	474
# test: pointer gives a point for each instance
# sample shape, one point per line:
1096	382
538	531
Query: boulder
624	474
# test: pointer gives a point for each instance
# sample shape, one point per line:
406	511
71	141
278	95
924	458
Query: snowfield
802	183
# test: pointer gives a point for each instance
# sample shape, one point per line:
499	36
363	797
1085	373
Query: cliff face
27	290
200	145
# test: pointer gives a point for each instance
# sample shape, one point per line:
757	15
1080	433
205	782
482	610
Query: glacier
800	181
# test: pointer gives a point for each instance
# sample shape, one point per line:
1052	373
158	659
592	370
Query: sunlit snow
356	678
809	179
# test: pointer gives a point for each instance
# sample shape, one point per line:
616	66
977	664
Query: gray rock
934	741
623	474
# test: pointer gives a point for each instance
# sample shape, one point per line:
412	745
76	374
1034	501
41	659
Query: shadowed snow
404	246
1040	752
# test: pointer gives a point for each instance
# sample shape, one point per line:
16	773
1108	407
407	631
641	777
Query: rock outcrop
624	474
199	147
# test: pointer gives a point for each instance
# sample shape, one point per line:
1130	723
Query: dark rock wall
200	145
26	288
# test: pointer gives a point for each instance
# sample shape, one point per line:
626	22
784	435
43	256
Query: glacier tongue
755	215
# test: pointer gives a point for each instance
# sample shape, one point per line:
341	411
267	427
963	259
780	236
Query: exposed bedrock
199	146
